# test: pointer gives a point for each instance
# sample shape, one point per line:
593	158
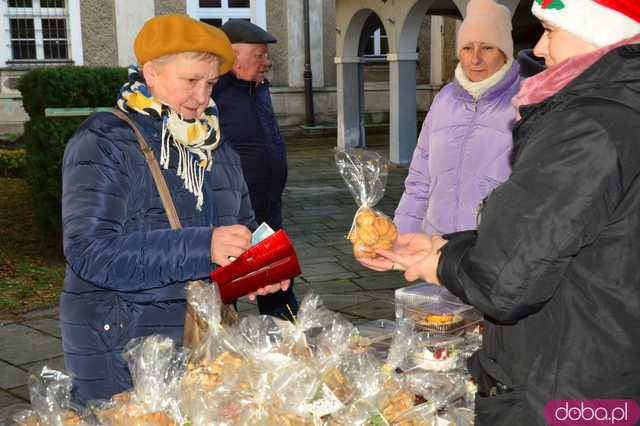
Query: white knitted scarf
478	88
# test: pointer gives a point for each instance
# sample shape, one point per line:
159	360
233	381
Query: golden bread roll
383	243
373	231
366	217
368	235
382	225
392	233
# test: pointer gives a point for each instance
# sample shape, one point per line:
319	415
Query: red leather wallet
270	261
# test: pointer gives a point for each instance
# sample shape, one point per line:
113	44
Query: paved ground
318	212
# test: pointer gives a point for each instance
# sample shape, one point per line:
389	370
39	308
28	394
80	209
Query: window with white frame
36	31
377	45
217	12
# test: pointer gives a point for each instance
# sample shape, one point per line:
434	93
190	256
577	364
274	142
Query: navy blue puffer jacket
126	269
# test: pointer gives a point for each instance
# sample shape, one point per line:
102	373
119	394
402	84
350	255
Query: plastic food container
418	294
377	330
444	317
436	353
375	337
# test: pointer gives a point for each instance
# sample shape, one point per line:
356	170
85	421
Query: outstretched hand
417	254
406	244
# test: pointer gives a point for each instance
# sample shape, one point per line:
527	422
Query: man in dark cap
248	123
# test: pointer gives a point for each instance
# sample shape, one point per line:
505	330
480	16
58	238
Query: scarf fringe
189	169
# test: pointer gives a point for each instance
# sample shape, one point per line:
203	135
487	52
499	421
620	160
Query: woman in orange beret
127	268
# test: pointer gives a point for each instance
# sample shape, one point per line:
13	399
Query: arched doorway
402	22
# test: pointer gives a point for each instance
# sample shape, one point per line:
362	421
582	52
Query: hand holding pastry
416	254
413	246
371	231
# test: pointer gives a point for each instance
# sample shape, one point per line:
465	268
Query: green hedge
12	163
46	137
70	87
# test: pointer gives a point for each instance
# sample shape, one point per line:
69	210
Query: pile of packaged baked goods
319	370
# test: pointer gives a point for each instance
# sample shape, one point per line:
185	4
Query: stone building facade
101	33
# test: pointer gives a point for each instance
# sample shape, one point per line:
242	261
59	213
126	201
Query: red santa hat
599	22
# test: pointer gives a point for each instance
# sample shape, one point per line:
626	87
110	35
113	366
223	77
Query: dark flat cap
241	31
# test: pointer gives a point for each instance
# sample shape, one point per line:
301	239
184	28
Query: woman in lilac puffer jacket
464	147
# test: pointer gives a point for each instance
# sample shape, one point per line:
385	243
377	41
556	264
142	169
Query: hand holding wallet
268	262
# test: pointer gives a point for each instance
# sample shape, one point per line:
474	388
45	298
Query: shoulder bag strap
194	326
161	184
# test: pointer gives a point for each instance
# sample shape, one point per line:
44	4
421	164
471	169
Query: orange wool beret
167	34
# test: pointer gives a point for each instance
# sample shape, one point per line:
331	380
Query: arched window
377	44
217	12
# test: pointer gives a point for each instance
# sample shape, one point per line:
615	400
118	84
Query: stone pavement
318	211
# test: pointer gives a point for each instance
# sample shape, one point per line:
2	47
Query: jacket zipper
459	178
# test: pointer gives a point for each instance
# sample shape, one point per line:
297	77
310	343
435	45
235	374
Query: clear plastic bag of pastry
380	396
358	413
271	416
271	389
365	174
214	386
402	343
208	402
156	367
123	410
438	388
206	302
437	395
317	332
218	338
265	333
220	362
282	387
444	317
347	378
338	389
420	415
50	395
265	387
333	341
393	400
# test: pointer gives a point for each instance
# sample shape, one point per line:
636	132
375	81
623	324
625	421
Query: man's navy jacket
248	123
